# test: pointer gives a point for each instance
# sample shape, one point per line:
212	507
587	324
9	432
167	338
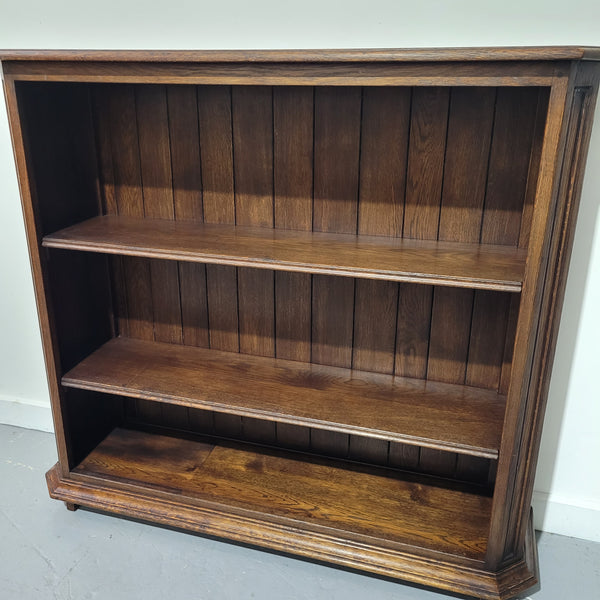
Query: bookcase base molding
299	538
306	300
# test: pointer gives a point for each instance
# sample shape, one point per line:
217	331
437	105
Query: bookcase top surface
312	55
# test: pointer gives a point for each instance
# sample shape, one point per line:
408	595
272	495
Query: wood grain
373	257
539	53
221	285
459	73
488	339
509	165
534	166
157	180
130	203
106	182
214	117
332	320
194	304
375	310
216	158
383	150
337	142
429	122
449	342
456	319
187	198
293	312
256	311
465	170
528	320
372	554
315	492
414	323
184	144
337	399
252	119
293	115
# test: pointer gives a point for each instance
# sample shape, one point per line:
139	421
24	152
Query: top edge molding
311	56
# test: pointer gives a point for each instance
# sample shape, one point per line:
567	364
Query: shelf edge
282	418
447	281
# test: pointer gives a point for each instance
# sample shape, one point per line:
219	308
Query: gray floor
49	552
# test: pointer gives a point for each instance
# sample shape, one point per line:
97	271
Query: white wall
567	496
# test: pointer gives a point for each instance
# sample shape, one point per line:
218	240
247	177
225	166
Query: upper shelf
475	266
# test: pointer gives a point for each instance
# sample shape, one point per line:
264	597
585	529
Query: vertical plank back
130	202
184	139
252	119
293	140
157	190
428	126
509	165
337	143
252	122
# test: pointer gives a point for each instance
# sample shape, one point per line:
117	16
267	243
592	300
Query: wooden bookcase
306	300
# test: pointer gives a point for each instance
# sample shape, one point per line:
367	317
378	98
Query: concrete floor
47	552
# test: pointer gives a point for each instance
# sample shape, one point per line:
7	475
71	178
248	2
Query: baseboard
22	413
557	515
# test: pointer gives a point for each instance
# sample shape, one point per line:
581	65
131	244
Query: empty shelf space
359	502
443	416
477	266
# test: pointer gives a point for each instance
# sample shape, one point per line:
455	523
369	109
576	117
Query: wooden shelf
436	415
477	266
353	501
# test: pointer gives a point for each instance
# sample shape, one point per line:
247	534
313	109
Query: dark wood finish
529	314
466	164
507	179
316	492
514	74
429	121
451	417
385	121
285	536
336	159
321	56
184	146
319	236
374	257
573	129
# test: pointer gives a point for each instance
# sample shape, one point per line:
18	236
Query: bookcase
306	300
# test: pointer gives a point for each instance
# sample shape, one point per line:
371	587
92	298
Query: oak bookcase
306	300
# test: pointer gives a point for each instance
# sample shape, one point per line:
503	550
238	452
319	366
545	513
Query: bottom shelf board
356	516
360	501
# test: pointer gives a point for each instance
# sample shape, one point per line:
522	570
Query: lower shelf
362	517
454	418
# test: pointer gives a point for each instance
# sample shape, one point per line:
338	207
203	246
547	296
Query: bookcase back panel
370	325
454	164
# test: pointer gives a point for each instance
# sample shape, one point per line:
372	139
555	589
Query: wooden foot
71	506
